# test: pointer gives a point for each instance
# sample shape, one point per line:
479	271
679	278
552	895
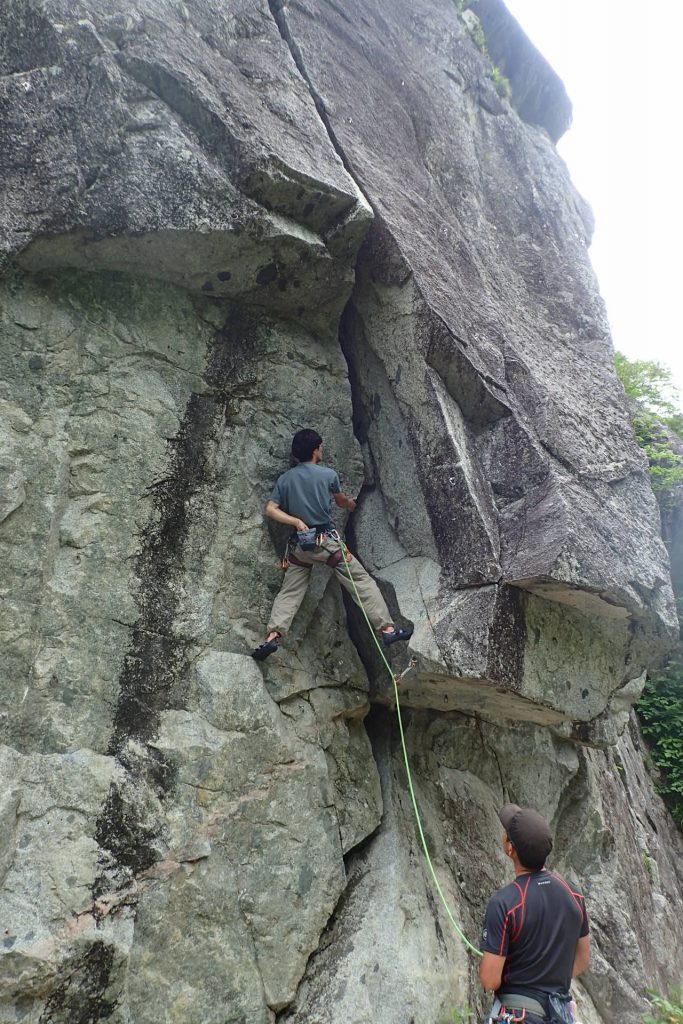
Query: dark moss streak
156	668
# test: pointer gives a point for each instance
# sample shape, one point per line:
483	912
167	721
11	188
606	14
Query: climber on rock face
535	937
302	498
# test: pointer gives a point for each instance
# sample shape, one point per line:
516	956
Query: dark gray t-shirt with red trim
535	922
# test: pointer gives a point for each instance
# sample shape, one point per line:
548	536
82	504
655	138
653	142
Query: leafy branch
660	710
657	420
669	1011
500	83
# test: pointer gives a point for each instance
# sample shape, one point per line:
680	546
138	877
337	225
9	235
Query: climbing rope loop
418	819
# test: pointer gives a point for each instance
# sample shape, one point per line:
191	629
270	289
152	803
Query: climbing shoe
397	633
265	649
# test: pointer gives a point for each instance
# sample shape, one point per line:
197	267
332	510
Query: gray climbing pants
295	583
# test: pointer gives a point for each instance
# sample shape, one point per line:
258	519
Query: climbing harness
309	540
551	1007
396	679
506	1016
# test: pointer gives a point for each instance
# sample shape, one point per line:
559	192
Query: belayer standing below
302	498
536	929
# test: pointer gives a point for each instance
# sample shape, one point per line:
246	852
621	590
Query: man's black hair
530	863
529	833
304	443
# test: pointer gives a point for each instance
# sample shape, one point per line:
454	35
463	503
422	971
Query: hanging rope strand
459	932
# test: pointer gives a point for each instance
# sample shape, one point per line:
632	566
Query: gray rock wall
219	225
381	960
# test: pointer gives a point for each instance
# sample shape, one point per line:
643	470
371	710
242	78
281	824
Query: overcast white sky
620	61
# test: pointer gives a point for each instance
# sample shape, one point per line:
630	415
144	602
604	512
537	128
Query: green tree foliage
650	384
656	421
666	1011
660	710
657	417
500	83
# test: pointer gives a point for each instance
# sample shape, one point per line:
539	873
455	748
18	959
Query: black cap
528	832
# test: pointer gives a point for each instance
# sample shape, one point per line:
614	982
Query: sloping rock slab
175	141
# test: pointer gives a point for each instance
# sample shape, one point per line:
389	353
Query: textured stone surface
134	412
537	92
176	141
454	344
49	856
382	959
261	876
96	375
189	276
498	438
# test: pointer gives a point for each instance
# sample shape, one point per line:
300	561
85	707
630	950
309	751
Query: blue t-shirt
305	491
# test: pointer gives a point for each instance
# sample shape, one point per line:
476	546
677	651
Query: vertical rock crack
279	16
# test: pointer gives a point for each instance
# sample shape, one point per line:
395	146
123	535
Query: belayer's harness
506	1016
515	1009
551	1007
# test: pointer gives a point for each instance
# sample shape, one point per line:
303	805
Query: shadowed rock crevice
347	974
277	9
379	727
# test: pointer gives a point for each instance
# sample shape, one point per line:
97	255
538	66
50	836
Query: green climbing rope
461	935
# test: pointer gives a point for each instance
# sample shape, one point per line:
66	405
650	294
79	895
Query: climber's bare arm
491	971
583	955
273	511
343	502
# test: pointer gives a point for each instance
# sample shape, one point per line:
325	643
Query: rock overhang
472	696
537	91
505	653
170	144
472	476
479	350
281	266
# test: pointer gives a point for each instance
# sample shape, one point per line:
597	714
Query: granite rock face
220	224
166	141
378	959
536	91
126	627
